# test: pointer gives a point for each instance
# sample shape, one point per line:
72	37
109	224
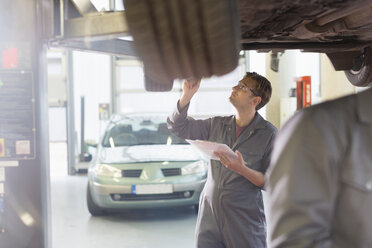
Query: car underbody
183	39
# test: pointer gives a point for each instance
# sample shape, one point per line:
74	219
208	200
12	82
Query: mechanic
231	211
320	178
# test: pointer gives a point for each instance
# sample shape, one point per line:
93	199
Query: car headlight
193	168
106	170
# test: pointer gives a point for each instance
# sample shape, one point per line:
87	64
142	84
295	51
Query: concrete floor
74	227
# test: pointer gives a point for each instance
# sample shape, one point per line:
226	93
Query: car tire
362	76
93	208
156	86
183	39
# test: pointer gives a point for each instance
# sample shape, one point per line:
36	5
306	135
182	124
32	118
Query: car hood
147	153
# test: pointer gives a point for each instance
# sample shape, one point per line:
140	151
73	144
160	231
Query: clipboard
207	148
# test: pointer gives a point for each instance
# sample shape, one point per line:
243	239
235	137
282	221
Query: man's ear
257	100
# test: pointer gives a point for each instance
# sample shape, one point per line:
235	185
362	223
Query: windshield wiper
148	143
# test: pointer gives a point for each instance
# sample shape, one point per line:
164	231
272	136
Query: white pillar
334	84
281	82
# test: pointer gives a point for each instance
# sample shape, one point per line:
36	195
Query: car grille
149	197
131	173
171	172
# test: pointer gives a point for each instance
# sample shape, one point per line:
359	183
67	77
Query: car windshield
139	132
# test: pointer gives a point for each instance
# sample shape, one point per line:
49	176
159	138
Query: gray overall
231	212
320	179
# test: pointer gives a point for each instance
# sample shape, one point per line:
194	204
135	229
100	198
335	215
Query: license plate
143	189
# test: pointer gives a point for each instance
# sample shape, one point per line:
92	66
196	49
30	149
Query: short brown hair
262	87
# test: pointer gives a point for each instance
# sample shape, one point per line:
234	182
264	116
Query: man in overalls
320	178
231	212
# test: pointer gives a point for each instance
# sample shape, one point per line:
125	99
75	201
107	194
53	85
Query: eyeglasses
245	88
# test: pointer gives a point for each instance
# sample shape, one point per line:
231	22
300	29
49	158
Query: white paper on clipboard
207	148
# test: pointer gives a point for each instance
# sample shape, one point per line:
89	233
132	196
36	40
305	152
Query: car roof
155	116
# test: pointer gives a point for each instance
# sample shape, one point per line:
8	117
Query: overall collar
258	121
364	106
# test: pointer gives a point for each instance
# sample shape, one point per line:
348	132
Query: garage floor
73	226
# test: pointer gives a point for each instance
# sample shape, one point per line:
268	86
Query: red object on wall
10	58
303	92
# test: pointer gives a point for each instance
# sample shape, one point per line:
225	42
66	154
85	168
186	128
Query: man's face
244	94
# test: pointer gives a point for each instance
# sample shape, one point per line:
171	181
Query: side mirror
87	157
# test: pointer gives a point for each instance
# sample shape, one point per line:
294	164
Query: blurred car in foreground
140	164
182	39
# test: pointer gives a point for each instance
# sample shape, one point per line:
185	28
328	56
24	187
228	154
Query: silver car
140	164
